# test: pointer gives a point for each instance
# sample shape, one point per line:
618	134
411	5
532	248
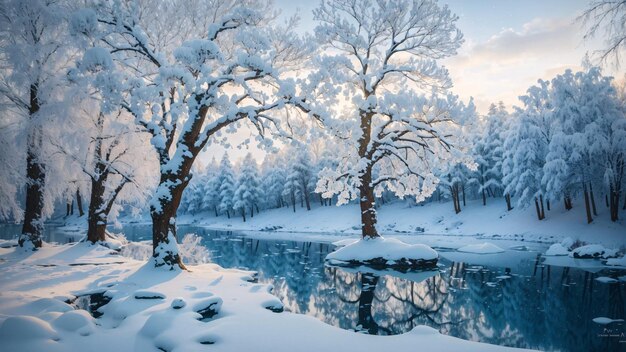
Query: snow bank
593	251
206	305
492	220
384	252
482	248
557	249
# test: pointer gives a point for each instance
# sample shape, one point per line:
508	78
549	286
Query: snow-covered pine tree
273	181
226	182
487	152
527	145
211	195
291	187
585	151
301	174
247	192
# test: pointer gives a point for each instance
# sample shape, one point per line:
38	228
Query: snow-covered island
354	175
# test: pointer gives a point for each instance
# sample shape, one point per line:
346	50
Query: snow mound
606	321
606	280
592	251
45	305
208	307
8	243
481	248
557	249
617	261
424	330
76	320
24	328
178	303
384	252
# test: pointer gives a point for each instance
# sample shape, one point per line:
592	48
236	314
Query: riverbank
491	221
205	308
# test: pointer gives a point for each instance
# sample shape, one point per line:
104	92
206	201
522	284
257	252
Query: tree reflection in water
528	304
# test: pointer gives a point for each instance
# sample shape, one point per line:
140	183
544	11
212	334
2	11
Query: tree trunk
243	214
463	190
293	201
543	212
164	225
32	229
568	202
593	200
307	200
97	220
367	203
79	203
215	208
587	204
484	198
537	208
548	204
614	196
96	229
508	202
251	211
68	208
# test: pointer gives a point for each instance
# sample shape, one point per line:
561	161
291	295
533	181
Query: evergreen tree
247	192
226	185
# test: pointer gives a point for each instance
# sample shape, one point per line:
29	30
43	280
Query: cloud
510	61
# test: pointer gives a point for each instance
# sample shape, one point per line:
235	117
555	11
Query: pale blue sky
479	19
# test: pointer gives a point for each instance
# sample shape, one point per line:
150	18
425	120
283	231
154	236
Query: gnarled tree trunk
32	229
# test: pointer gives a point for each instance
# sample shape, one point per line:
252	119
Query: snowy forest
315	161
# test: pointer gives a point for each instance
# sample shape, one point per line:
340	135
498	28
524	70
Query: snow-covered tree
32	54
105	145
226	186
585	151
210	187
291	187
9	176
487	152
380	54
223	68
247	192
273	181
300	175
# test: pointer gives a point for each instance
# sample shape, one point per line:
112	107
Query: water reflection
528	304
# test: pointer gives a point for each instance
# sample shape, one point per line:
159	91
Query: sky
509	45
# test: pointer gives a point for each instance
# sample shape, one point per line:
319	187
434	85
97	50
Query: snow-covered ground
152	309
434	218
